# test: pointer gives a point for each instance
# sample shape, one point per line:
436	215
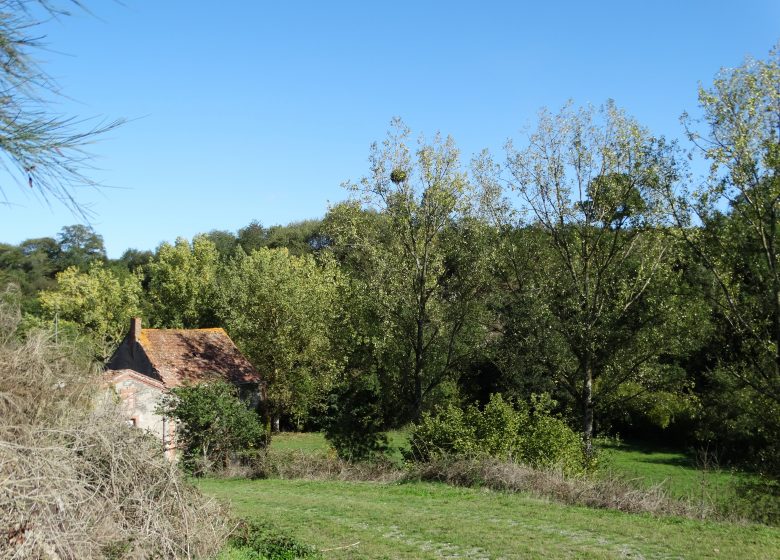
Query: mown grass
680	474
315	442
349	520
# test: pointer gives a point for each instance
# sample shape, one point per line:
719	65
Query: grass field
678	473
350	520
426	521
646	465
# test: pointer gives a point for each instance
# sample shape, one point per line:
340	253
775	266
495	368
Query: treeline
586	265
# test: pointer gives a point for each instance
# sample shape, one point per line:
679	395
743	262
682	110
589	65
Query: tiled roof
112	376
191	355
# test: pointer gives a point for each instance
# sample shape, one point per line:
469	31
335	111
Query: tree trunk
418	366
587	404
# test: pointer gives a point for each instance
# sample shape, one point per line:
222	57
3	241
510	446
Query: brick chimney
135	328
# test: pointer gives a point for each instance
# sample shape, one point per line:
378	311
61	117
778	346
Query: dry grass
75	481
614	493
295	464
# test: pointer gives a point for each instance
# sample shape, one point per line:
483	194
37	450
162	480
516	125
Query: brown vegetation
506	476
612	493
75	481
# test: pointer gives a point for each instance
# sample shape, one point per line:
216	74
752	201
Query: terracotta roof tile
190	355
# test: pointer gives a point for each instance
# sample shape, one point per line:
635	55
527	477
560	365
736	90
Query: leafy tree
354	423
279	309
730	222
224	241
591	183
98	301
214	425
252	237
182	284
422	258
79	246
300	238
136	259
41	150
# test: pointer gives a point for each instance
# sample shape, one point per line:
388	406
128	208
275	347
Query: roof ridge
206	329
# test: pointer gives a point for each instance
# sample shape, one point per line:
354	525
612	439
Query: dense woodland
586	263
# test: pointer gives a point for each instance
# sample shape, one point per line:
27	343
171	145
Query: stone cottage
149	362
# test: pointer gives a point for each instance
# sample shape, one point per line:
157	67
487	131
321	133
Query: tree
98	301
252	237
354	425
224	241
182	284
730	222
741	140
423	259
79	246
214	425
279	309
39	149
591	182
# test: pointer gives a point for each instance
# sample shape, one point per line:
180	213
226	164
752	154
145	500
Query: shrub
214	427
522	433
256	541
353	424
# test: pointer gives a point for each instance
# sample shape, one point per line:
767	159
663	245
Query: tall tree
423	260
182	283
279	308
99	302
79	246
590	182
731	220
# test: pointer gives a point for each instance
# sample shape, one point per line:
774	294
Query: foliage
279	309
98	301
738	240
258	541
591	183
422	260
299	238
214	425
183	283
522	433
39	149
79	246
353	420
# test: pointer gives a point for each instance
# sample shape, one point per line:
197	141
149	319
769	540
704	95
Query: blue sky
251	110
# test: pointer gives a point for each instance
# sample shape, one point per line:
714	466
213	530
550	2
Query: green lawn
422	520
678	473
313	442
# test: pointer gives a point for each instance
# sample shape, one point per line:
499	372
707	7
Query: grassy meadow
351	520
678	473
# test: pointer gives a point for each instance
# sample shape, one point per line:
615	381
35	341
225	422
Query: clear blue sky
259	110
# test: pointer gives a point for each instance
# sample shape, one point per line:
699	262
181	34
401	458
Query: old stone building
149	362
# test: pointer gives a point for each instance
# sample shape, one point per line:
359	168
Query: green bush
525	434
353	424
256	541
214	425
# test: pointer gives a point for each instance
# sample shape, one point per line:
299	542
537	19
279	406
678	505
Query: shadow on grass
655	453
